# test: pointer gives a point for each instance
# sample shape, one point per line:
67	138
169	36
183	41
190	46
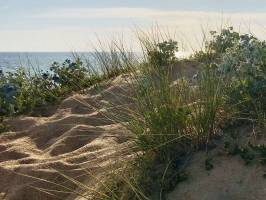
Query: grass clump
171	114
170	119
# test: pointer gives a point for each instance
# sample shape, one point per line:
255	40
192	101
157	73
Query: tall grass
113	61
169	118
169	114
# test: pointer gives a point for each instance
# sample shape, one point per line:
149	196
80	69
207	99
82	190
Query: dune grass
171	119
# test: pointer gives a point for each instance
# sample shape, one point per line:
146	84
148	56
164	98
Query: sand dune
78	135
77	139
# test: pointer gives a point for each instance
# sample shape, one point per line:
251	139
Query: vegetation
23	90
170	118
174	118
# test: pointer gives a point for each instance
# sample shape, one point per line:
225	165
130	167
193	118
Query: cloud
183	21
186	26
92	13
59	39
135	13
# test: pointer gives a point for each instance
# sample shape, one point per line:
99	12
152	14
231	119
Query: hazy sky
65	25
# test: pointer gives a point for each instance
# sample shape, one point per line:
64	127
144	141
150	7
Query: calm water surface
41	60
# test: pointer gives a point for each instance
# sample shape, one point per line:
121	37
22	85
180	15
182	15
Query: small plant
261	150
163	53
208	164
3	127
249	153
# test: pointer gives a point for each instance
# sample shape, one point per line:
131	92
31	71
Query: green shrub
70	76
163	53
21	91
220	42
217	45
241	60
244	65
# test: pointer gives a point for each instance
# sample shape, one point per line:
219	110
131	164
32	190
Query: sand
77	136
230	178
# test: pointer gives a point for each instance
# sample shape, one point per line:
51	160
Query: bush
70	76
218	45
163	53
244	65
241	60
22	91
222	41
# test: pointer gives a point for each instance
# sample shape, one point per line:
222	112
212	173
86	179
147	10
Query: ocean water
9	61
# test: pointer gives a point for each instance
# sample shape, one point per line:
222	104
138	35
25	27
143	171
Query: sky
77	25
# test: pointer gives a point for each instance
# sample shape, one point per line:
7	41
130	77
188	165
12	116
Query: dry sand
78	135
230	178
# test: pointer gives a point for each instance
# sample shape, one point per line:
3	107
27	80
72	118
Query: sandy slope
77	135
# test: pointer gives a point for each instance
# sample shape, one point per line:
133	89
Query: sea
9	61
